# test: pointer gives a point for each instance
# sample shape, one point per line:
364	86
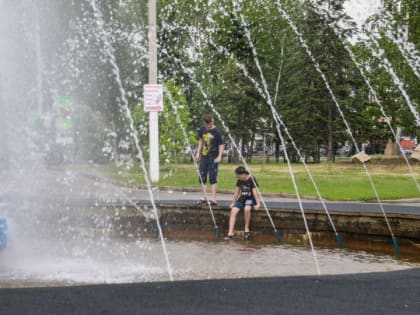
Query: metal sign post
153	115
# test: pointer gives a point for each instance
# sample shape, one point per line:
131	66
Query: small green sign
33	117
64	123
65	102
63	110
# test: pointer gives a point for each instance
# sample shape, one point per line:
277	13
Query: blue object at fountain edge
3	233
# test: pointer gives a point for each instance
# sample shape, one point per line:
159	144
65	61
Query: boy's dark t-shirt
245	189
212	139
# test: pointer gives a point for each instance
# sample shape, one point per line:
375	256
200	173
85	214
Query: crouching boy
245	198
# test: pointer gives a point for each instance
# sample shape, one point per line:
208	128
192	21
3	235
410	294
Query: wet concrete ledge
288	219
354	221
377	293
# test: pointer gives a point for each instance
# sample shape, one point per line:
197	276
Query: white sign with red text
153	97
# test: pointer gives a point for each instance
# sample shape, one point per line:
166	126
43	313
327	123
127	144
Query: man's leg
203	192
203	168
233	213
247	212
213	170
214	192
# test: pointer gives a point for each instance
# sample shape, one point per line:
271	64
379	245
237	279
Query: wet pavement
377	293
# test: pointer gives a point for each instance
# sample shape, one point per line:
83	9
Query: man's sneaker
228	238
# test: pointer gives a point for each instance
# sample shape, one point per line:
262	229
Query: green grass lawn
336	181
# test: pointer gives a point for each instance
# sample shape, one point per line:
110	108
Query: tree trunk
235	153
398	140
331	155
277	148
317	157
251	145
175	160
245	149
114	142
263	155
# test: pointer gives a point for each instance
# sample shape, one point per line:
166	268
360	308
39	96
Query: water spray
134	134
346	123
188	143
375	98
280	121
234	144
280	134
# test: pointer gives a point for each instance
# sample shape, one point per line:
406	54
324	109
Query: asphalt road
381	293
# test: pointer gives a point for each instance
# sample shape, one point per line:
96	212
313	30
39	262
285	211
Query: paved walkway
280	203
382	293
71	187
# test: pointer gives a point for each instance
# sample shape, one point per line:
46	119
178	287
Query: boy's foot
228	237
200	202
247	235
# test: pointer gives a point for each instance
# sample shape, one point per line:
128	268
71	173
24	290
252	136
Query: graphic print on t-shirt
245	188
246	192
207	138
211	139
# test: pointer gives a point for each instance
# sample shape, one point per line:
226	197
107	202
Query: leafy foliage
204	47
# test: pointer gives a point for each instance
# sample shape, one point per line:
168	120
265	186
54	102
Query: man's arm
199	148
235	197
221	150
257	198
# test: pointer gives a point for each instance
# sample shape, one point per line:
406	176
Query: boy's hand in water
257	206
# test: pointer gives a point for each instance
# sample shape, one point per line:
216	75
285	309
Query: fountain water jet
406	48
189	147
190	73
270	103
386	64
278	120
327	85
125	108
373	93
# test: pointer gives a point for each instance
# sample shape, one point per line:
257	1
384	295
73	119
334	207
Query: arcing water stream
49	211
126	109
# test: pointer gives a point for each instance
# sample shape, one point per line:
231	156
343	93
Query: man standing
209	153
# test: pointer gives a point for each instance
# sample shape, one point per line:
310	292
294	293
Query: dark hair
241	170
208	119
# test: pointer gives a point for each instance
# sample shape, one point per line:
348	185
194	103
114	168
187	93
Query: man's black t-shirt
212	139
245	189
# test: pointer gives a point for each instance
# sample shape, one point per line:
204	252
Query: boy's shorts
208	166
242	204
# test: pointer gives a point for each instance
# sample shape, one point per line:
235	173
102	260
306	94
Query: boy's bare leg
247	212
213	192
233	213
203	191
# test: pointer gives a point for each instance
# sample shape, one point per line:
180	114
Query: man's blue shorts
208	166
242	204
